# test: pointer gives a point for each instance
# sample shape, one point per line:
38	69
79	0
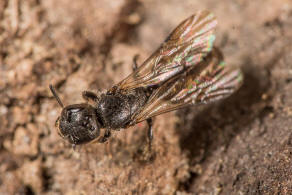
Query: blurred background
241	145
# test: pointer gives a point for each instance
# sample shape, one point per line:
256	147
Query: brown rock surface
241	145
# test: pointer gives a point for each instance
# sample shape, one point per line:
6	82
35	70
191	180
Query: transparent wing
185	46
208	81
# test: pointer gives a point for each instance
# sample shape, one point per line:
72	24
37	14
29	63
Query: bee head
78	123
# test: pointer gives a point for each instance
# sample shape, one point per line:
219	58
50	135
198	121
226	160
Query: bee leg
150	132
135	64
105	137
107	134
90	97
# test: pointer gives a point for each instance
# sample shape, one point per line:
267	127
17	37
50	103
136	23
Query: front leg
105	137
90	97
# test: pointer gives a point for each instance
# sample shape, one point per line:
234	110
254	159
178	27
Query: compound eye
73	114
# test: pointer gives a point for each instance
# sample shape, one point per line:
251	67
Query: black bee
185	70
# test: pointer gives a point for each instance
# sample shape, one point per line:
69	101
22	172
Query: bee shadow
217	124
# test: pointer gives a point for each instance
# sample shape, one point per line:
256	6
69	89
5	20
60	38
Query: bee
185	70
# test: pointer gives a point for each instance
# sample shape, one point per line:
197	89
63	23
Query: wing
206	82
185	46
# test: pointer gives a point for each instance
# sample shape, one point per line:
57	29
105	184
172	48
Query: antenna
56	96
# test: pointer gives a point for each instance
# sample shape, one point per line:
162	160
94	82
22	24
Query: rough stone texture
241	145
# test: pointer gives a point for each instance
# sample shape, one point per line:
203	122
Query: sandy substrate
241	145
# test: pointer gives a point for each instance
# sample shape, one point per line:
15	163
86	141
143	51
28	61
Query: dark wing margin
186	46
208	81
